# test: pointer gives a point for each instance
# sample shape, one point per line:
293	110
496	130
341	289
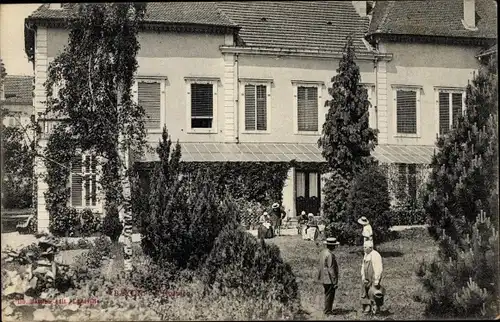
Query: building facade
248	81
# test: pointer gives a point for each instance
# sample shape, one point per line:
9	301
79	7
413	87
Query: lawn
400	258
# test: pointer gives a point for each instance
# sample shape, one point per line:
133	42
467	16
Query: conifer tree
347	139
463	179
164	226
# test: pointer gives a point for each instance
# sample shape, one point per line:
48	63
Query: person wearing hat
371	274
265	230
367	229
277	215
312	228
328	273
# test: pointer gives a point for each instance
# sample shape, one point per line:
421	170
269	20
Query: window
451	105
149	97
406	111
202	105
202	108
307	108
407	181
256	105
84	181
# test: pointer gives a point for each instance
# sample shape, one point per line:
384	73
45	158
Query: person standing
277	216
328	273
367	229
371	275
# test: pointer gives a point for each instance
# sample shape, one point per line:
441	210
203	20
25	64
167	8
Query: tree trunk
125	210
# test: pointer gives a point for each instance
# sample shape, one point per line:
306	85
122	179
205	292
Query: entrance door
307	192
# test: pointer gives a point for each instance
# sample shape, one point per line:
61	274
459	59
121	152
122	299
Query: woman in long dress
265	229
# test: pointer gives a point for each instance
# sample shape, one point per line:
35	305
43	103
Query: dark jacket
328	270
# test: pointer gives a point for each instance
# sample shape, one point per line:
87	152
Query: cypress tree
347	139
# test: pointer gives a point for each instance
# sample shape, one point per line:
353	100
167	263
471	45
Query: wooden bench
14	218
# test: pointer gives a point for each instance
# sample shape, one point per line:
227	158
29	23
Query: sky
12	37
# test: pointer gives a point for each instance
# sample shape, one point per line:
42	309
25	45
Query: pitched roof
18	90
201	13
312	25
432	18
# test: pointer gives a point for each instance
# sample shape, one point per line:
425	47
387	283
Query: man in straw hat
328	273
371	273
367	229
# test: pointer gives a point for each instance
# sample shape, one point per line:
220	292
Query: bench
12	218
22	228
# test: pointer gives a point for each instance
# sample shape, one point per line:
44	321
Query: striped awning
285	152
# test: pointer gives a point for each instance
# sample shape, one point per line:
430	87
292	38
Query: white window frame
418	90
214	81
321	108
249	81
162	80
449	90
99	193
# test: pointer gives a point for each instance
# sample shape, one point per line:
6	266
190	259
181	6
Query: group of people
308	227
270	224
372	293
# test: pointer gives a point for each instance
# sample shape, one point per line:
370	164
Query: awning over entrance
285	152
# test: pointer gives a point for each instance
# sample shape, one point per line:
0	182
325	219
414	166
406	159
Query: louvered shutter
201	105
261	108
456	104
76	181
444	113
250	107
406	111
307	108
149	97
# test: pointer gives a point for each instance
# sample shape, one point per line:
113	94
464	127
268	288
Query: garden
195	259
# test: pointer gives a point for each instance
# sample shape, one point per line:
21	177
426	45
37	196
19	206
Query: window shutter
201	105
444	112
406	111
313	184
149	97
261	108
250	107
76	181
456	103
307	108
301	184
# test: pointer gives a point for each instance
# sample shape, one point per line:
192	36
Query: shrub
90	222
111	225
367	196
87	265
64	222
149	276
209	215
462	283
239	262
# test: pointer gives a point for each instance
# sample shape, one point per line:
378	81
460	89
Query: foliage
464	173
164	227
151	277
250	212
239	261
346	139
3	72
94	75
87	266
17	183
69	222
335	192
209	213
254	181
461	282
90	222
111	225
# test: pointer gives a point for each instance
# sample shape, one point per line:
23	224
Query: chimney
469	20
55	6
360	7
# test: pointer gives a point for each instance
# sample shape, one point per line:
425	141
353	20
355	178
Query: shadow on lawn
384	254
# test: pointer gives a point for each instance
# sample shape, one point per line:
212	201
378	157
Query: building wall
282	71
427	66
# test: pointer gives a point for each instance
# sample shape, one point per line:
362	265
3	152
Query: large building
16	97
248	81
